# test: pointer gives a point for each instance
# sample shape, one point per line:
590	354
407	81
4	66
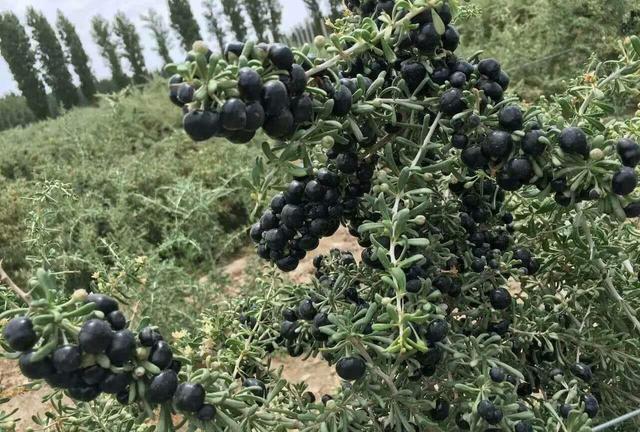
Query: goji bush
497	287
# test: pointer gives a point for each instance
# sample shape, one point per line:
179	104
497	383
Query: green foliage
101	32
52	58
156	25
214	22
183	22
16	50
545	42
232	10
14	111
77	56
130	44
258	14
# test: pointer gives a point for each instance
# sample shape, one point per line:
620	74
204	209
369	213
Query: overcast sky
81	11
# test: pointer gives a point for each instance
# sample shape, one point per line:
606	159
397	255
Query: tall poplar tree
130	45
183	22
214	21
101	33
275	19
155	24
231	9
258	14
336	7
316	14
16	50
52	58
77	56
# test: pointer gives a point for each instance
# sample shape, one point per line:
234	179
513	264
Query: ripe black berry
114	383
281	56
427	38
279	125
473	157
302	109
458	79
440	411
488	411
629	152
67	358
95	336
497	374
254	116
523	426
437	330
347	162
162	387
288	329
624	181
117	320
148	337
452	102
202	125
451	38
591	405
491	89
19	334
257	387
249	84
490	68
350	368
185	93
234	114
500	327
83	393
521	169
275	97
510	118
574	140
122	348
500	298
292	216
306	310
233	48
413	74
531	144
288	263
206	413
582	371
93	375
342	101
35	369
189	397
498	145
103	303
161	355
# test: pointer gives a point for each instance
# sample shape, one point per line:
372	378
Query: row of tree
45	59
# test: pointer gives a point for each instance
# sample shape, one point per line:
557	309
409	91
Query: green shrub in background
14	112
544	42
118	189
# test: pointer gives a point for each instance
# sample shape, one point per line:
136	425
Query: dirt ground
315	372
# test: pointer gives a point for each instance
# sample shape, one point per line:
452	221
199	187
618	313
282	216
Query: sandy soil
315	372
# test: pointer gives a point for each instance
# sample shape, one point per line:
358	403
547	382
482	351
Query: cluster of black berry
312	207
106	358
512	148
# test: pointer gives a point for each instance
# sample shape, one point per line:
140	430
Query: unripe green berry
79	296
596	154
328	142
200	47
319	41
384	187
420	220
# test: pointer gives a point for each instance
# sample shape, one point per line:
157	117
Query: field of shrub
118	195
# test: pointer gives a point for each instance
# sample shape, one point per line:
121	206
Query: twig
5	279
616	421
